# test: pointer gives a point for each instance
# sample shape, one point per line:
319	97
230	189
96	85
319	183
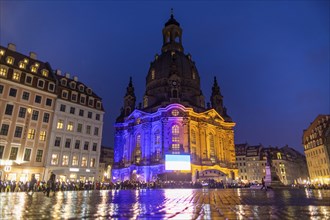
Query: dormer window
2	52
26	61
98	105
91	101
44	73
81	88
89	91
16	76
72	85
10	60
34	69
3	71
63	82
65	94
22	65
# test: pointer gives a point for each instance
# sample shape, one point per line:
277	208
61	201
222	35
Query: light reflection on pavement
168	204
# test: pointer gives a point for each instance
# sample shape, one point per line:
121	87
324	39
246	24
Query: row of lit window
70	127
80	113
22	65
28	79
74	160
26	157
19	130
316	173
82	100
81	87
314	143
77	144
51	88
315	152
317	162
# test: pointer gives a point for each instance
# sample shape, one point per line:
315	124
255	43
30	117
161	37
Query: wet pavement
169	204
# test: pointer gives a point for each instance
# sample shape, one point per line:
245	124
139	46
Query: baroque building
173	120
27	100
316	142
289	165
76	135
48	122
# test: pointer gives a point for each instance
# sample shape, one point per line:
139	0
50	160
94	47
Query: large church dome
173	76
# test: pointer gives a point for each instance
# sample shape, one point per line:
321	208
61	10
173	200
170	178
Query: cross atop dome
172	20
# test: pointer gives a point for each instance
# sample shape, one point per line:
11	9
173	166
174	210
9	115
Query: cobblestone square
169	204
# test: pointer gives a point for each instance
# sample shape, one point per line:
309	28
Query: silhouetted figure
263	184
32	184
51	184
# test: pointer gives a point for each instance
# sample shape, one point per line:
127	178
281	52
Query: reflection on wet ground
169	204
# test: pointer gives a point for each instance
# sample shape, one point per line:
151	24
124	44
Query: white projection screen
177	162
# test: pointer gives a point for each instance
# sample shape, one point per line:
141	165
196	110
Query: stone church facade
173	119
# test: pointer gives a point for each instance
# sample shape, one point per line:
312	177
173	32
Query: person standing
51	184
32	184
263	184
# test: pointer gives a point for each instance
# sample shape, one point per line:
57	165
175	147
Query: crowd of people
52	185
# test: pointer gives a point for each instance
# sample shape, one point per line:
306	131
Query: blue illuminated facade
172	119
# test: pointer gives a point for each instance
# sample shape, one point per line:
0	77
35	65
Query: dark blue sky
271	58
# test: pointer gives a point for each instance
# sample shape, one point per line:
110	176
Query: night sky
271	58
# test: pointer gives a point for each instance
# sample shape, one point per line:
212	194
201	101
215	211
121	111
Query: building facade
36	135
316	142
75	141
106	163
289	165
27	100
173	120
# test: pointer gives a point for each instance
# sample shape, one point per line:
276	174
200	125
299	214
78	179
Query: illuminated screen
177	162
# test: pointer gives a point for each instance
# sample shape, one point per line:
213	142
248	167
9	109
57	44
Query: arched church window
145	102
193	137
175	129
175	139
138	149
193	75
152	74
212	151
157	138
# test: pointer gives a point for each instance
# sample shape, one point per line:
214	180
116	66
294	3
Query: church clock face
174	83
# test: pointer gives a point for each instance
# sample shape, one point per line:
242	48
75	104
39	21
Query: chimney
58	72
12	47
33	55
75	78
67	75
